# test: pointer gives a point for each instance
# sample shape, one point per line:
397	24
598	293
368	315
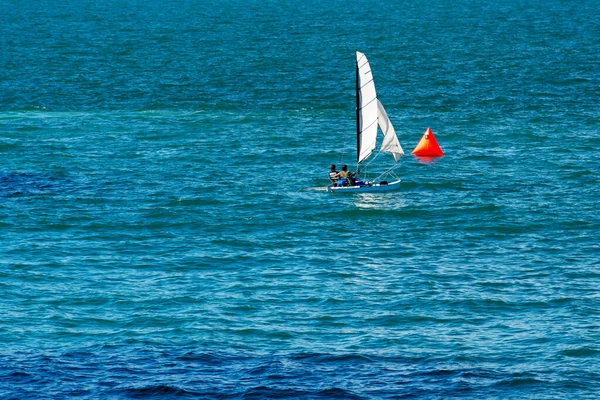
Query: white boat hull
375	187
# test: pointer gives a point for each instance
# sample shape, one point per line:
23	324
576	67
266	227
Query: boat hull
376	187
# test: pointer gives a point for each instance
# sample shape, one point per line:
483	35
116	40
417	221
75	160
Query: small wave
274	393
333	358
521	381
204	358
580	352
18	184
158	391
18	375
337	393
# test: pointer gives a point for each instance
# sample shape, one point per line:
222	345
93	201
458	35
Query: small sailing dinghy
369	115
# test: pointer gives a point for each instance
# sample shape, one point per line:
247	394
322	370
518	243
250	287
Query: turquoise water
158	238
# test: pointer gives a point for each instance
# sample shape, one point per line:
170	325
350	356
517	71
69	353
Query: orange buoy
428	146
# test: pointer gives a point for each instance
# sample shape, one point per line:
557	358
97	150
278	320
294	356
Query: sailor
334	176
346	177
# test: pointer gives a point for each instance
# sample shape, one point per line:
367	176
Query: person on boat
334	176
346	177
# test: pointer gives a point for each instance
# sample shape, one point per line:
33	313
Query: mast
357	114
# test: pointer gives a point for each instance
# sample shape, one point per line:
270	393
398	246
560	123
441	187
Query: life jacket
332	176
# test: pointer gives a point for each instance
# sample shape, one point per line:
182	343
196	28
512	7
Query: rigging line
373	159
389	171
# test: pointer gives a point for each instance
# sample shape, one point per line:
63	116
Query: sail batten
372	80
372	100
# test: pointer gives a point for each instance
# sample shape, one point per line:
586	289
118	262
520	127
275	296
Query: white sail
390	139
367	108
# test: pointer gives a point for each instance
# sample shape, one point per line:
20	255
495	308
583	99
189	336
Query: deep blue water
158	238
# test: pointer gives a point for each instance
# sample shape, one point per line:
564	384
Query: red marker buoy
428	146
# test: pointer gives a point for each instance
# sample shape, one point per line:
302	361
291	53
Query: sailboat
370	115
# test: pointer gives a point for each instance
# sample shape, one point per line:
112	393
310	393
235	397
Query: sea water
158	234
